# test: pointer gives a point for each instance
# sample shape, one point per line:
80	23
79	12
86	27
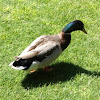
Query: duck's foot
32	71
47	69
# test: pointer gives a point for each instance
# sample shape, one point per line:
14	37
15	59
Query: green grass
77	70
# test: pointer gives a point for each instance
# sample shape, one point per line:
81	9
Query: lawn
76	74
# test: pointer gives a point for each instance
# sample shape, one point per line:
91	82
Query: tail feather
17	67
11	64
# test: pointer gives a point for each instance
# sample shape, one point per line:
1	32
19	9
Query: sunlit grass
77	70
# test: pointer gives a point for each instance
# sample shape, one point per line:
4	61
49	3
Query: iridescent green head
73	26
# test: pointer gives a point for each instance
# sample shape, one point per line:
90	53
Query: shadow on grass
62	72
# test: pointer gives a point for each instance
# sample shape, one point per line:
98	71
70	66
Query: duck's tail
17	67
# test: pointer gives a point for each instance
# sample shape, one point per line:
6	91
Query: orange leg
32	71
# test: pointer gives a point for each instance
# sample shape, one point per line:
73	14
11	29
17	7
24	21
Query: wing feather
46	50
41	52
34	44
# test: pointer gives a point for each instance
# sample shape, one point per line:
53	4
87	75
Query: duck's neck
65	39
62	34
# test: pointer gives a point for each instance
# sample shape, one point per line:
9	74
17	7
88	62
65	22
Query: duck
46	49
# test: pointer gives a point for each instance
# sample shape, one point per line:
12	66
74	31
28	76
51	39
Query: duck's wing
47	49
37	55
34	44
42	51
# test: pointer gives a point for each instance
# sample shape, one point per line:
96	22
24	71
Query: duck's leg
48	69
32	71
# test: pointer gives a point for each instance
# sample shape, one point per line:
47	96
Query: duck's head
73	26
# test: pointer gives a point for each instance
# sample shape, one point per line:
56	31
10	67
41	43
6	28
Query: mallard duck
45	49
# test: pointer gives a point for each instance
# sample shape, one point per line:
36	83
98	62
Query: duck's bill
84	30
